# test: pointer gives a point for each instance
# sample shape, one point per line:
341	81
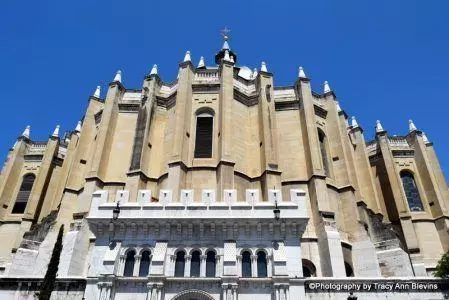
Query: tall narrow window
210	264
204	133
195	264
323	150
261	264
411	191
129	264
144	264
180	264
308	268
24	194
246	264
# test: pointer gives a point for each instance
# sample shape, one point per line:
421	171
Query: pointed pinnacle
187	56
327	88
301	73
56	132
78	127
201	62
154	70
354	122
118	76
263	67
411	126
97	92
379	127
26	132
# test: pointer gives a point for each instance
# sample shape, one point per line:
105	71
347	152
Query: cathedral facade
220	185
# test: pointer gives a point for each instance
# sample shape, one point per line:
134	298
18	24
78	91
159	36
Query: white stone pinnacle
97	92
226	56
263	67
118	76
201	63
179	72
187	57
254	74
425	139
78	127
26	132
67	139
56	132
411	126
154	70
301	73
379	127
327	88
232	59
354	122
338	106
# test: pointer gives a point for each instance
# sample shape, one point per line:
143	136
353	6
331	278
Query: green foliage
50	276
442	269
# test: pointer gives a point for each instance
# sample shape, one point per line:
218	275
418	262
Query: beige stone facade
362	218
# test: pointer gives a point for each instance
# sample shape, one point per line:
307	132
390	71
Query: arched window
246	264
129	263
24	194
261	264
308	268
204	133
180	264
145	260
195	264
210	264
349	271
323	150
411	191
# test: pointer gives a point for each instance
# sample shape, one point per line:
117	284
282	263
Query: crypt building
218	185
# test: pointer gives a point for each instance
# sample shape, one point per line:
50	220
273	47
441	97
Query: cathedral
220	185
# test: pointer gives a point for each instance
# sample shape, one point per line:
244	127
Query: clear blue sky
386	60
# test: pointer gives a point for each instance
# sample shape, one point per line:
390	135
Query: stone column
136	265
234	292
239	265
218	269
254	265
270	262
187	266
277	293
203	266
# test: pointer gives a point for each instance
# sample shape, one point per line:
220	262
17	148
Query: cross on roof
225	33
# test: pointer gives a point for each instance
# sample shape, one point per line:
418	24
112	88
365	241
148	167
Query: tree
442	269
50	276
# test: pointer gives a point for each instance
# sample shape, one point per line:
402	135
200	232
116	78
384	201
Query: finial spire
425	139
411	126
118	76
187	57
56	132
232	59
263	67
301	73
154	70
337	104
225	33
78	127
97	92
201	64
327	88
354	122
26	132
226	56
254	74
379	127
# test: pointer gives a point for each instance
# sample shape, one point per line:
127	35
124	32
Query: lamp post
115	215
276	211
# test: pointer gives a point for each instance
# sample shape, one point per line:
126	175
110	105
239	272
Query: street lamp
276	211
115	214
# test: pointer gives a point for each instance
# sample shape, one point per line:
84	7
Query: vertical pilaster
187	266
203	266
268	133
42	180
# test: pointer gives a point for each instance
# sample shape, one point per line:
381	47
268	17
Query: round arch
193	294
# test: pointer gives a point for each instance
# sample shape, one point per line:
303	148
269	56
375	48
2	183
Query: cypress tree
50	276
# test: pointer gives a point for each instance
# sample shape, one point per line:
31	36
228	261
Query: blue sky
385	59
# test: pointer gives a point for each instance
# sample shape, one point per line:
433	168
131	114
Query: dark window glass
261	264
144	264
129	264
180	264
322	139
308	268
349	272
24	194
210	264
203	142
195	264
246	264
306	272
411	192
